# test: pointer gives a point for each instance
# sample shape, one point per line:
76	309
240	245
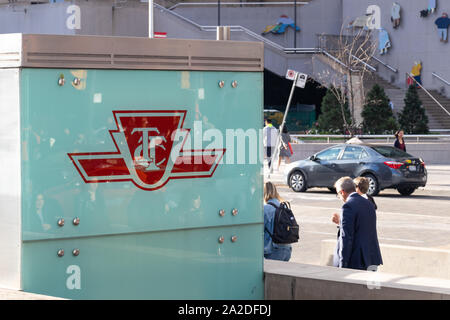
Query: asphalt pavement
422	219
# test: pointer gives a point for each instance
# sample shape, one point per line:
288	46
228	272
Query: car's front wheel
374	187
406	191
297	181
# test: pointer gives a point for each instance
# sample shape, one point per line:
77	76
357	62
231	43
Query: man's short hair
346	184
362	184
269	120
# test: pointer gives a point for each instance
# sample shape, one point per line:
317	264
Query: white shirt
270	136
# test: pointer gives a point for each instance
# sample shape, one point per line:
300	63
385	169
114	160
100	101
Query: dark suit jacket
358	246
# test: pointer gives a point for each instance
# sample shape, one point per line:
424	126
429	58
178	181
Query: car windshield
391	152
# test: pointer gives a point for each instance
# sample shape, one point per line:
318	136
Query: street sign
301	80
290	74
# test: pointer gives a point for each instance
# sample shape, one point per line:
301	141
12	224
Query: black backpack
285	227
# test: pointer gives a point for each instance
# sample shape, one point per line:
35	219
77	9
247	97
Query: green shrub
413	119
331	119
377	115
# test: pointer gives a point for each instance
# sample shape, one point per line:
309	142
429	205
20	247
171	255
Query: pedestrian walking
285	150
270	135
357	246
399	141
273	250
362	186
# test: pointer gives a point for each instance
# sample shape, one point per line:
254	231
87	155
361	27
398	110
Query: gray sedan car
384	166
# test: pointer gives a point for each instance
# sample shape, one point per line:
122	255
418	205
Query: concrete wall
431	153
294	281
319	16
97	18
405	260
415	39
41	19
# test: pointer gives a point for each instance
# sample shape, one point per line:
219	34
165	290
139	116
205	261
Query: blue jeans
280	253
443	34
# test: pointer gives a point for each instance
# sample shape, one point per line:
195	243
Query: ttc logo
146	152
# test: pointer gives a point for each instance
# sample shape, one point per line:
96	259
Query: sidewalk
276	177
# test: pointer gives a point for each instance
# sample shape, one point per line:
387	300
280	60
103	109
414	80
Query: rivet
76	252
234	84
234	212
60	252
233	239
221	239
221	212
61	80
221	84
76	81
76	221
61	222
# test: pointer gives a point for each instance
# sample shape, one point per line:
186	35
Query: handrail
439	130
233	4
368	66
369	136
242	29
329	55
426	91
301	50
440	78
177	15
385	64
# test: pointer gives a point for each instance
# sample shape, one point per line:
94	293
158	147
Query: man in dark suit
357	246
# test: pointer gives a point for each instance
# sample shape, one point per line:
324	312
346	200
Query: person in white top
270	134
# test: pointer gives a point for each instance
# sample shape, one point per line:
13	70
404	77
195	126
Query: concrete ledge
294	281
9	294
406	260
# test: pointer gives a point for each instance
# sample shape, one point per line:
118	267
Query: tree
413	119
377	114
334	116
348	55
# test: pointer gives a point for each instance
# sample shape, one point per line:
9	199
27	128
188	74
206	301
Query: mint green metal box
124	175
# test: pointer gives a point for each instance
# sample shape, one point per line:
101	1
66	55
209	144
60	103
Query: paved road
422	219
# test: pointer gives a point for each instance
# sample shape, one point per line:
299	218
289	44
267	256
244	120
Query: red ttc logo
149	152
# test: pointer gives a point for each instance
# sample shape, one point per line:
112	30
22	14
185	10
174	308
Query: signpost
150	19
298	80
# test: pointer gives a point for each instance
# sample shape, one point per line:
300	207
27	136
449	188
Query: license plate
412	168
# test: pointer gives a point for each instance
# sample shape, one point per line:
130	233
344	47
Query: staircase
437	118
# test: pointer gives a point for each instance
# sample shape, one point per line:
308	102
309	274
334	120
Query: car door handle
362	163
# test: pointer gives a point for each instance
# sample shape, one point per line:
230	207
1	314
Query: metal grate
94	52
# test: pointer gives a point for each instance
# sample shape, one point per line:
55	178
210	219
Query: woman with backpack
273	250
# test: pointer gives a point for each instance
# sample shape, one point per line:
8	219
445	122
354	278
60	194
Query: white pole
150	19
277	145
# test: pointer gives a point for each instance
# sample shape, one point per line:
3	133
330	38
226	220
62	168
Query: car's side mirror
313	158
